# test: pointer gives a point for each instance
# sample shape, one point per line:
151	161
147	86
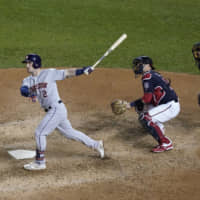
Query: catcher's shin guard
153	128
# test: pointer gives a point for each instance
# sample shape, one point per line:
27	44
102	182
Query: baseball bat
114	45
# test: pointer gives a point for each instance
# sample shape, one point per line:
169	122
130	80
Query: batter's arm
76	71
70	72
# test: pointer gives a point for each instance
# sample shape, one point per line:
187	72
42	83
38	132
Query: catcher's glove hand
119	106
139	105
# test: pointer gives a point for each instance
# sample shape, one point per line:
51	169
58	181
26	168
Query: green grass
76	33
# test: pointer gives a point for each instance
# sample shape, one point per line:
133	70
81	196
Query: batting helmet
35	59
196	53
138	64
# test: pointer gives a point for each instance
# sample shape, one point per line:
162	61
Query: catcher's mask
196	53
138	64
35	59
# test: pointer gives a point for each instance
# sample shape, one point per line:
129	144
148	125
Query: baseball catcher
159	103
196	55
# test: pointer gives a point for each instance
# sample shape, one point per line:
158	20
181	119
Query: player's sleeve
57	75
26	82
25	88
148	92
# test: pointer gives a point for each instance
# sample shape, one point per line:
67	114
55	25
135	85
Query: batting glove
88	70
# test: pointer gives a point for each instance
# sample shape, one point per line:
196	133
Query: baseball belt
49	108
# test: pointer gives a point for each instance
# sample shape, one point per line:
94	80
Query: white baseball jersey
45	87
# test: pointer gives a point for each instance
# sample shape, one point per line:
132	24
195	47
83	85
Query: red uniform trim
158	94
146	76
147	98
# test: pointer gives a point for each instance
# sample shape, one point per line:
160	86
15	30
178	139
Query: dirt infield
129	171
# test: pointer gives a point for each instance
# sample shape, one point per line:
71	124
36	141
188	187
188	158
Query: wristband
132	104
79	71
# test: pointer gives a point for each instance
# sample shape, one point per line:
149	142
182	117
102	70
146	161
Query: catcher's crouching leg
146	121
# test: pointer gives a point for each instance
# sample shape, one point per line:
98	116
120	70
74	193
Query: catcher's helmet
138	64
196	53
37	62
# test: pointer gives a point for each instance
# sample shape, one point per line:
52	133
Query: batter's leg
46	127
66	129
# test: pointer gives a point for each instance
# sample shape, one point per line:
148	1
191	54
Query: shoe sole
33	169
170	148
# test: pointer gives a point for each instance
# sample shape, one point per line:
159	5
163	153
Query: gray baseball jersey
45	88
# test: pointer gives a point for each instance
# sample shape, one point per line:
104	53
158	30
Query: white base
22	154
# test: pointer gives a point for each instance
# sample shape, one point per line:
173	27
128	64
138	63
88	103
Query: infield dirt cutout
129	171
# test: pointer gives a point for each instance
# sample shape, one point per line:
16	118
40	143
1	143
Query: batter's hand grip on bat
88	70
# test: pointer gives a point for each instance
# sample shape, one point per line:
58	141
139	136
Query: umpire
196	54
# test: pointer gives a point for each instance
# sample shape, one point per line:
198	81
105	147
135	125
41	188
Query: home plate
22	154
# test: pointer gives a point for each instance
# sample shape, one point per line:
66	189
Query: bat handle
88	70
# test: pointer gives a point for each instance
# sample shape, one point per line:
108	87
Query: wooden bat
114	45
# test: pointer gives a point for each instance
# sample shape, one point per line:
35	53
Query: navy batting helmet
138	64
196	53
35	59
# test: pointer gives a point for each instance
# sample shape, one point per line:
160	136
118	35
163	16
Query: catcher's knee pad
146	121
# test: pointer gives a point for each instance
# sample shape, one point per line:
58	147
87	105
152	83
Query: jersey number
44	93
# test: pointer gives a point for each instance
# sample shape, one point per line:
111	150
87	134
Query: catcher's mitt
119	106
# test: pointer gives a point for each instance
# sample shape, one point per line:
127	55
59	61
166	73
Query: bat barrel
115	44
119	41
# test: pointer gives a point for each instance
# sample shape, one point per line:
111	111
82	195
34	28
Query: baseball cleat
100	149
35	166
163	147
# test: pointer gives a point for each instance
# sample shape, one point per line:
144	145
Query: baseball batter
41	85
196	55
160	100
